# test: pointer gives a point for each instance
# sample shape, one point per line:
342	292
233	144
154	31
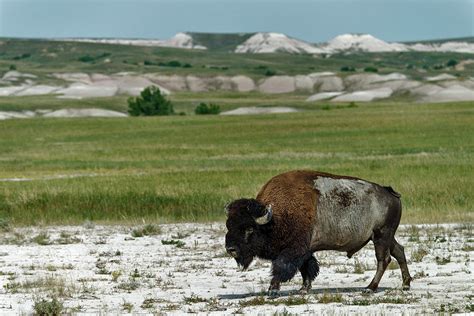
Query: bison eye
248	232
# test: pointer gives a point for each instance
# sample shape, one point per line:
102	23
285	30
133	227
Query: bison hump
393	192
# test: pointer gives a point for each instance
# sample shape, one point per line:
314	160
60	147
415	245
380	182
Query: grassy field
43	57
185	168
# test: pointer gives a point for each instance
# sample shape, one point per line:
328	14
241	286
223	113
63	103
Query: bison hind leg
309	271
397	251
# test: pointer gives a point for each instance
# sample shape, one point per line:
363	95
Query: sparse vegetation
419	253
147	230
204	108
177	243
347	68
327	298
45	307
371	69
42	239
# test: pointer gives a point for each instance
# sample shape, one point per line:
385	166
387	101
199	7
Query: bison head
247	224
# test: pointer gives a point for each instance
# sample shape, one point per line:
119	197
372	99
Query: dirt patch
258	110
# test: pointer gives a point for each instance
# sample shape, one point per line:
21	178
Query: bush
150	102
451	63
50	308
204	108
12	67
347	68
270	72
86	59
370	69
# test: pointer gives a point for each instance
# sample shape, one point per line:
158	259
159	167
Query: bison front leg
284	268
309	270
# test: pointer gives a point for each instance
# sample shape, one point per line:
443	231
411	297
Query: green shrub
86	59
50	308
270	72
370	69
12	67
204	108
150	102
347	68
451	63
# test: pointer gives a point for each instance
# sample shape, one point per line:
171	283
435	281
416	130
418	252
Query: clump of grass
256	301
359	267
115	275
443	260
194	299
393	265
130	285
177	243
55	286
149	303
418	254
42	239
330	298
293	300
50	307
414	232
126	306
4	225
66	238
147	230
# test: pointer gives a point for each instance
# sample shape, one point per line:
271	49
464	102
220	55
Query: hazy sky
313	21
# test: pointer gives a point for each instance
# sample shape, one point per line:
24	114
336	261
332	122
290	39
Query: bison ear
265	218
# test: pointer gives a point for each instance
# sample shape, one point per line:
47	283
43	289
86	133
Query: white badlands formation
323	85
61	113
275	42
259	110
180	40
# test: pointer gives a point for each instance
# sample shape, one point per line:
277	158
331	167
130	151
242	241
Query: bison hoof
405	287
367	291
273	293
304	290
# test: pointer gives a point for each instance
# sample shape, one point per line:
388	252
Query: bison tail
393	192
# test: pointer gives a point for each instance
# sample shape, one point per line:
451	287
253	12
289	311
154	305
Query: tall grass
187	168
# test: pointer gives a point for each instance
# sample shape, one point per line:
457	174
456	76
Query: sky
310	20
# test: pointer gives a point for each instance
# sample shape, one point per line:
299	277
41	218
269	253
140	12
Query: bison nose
231	251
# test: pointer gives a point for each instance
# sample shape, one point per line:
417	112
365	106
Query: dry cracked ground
183	268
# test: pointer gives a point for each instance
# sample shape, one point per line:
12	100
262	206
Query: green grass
186	168
43	57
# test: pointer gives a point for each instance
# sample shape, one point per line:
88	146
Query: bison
300	212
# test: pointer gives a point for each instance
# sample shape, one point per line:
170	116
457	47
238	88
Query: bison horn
265	218
226	209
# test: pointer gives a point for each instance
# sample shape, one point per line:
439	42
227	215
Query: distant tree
370	69
451	63
150	102
174	63
86	59
347	68
203	109
270	72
